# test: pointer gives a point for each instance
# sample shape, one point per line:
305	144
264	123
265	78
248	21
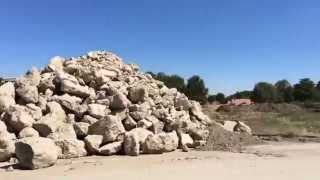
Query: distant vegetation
280	92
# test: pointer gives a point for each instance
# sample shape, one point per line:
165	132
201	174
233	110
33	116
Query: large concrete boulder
138	94
242	127
34	111
70	84
7	89
93	143
229	125
71	103
81	129
36	152
196	110
19	118
52	121
119	101
6	102
70	148
27	86
98	110
133	141
28	132
111	149
161	143
7	141
7	96
110	128
66	139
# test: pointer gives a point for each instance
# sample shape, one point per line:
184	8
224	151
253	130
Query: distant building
240	102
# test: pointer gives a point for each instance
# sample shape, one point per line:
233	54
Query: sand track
281	161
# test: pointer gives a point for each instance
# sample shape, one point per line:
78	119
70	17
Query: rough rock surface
36	152
93	104
161	143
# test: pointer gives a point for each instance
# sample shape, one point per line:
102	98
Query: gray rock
129	123
111	149
71	103
88	119
138	94
81	129
19	118
28	132
119	101
69	84
6	144
133	141
70	148
66	138
34	111
52	121
7	89
98	111
36	152
6	102
110	128
161	143
144	124
93	143
27	86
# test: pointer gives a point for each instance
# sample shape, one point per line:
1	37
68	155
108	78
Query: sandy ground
283	161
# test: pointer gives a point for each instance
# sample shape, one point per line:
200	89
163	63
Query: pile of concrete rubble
94	105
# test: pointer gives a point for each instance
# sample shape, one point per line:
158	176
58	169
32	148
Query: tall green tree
196	89
318	85
285	91
212	98
241	95
221	98
304	90
265	92
171	81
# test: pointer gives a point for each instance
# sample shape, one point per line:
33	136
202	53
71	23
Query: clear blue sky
232	44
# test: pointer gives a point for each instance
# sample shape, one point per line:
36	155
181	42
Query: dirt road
276	161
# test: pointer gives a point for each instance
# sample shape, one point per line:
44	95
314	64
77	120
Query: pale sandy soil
282	161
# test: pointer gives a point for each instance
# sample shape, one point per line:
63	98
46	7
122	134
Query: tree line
282	91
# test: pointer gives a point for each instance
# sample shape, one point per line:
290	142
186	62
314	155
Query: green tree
241	95
304	90
171	81
211	98
264	92
221	98
196	89
285	91
318	85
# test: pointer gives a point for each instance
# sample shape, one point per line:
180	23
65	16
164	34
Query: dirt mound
264	107
223	140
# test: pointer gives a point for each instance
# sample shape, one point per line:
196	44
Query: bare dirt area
277	161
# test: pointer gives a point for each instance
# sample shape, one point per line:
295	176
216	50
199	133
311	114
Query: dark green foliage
265	92
318	86
304	90
2	81
212	98
285	91
171	81
196	89
221	98
241	95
